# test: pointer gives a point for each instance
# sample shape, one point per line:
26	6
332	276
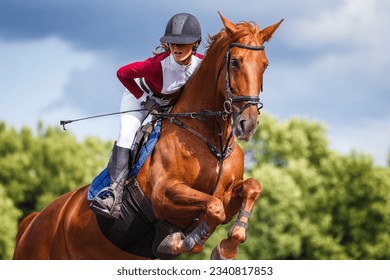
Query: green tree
9	216
357	199
342	210
316	203
35	169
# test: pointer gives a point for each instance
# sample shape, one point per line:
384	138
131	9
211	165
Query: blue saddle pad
103	179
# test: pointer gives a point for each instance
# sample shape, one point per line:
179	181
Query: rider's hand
151	105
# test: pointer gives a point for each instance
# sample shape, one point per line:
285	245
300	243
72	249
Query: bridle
224	150
251	100
228	103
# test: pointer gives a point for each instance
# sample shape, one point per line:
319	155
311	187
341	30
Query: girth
140	199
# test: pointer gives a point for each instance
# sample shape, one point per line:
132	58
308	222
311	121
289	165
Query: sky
329	61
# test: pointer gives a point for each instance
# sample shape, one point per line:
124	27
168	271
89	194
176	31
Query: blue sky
329	61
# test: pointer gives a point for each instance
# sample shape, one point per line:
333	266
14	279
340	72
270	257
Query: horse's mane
243	28
217	44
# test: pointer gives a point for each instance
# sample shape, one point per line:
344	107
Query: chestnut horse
194	177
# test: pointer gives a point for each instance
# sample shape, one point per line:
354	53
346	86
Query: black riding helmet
182	28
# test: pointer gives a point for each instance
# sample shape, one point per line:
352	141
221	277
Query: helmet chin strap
196	45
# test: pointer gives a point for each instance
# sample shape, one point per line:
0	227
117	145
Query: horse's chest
190	160
205	169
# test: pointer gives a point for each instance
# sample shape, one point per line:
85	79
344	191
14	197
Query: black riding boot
110	204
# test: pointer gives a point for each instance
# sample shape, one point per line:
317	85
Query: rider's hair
162	47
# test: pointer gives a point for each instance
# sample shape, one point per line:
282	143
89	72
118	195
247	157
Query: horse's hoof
216	254
170	243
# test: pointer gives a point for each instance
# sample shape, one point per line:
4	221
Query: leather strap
141	200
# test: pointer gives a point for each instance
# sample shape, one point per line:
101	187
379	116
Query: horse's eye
235	63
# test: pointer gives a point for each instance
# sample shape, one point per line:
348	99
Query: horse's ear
268	31
229	26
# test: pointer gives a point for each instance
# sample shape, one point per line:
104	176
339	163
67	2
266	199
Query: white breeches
130	122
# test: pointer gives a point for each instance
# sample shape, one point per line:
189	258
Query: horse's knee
253	188
215	210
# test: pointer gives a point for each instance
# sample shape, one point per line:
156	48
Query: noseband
251	100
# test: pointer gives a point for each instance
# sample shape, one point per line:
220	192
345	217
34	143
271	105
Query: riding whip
63	123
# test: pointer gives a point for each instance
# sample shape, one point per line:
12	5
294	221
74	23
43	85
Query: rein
223	151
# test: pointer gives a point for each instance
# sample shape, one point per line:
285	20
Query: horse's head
245	64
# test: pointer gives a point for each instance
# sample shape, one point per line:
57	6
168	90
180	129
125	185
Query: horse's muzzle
244	127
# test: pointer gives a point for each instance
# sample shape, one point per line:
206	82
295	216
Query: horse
194	178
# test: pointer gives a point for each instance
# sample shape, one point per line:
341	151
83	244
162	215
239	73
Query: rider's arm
149	69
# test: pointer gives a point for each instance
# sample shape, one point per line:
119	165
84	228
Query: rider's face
181	52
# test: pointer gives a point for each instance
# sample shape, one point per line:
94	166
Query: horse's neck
199	94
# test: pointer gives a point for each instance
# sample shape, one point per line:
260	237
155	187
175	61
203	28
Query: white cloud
34	74
360	23
343	81
332	66
371	137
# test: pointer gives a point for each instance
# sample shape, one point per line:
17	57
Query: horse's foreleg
250	192
180	203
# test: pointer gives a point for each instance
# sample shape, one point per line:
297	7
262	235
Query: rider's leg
110	203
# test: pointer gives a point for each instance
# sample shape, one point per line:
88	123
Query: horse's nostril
242	125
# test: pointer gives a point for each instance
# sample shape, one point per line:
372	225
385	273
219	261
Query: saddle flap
140	139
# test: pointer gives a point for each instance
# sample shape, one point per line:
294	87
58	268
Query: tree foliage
316	203
9	216
35	169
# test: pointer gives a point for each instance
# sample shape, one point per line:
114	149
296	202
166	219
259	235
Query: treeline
316	203
37	168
